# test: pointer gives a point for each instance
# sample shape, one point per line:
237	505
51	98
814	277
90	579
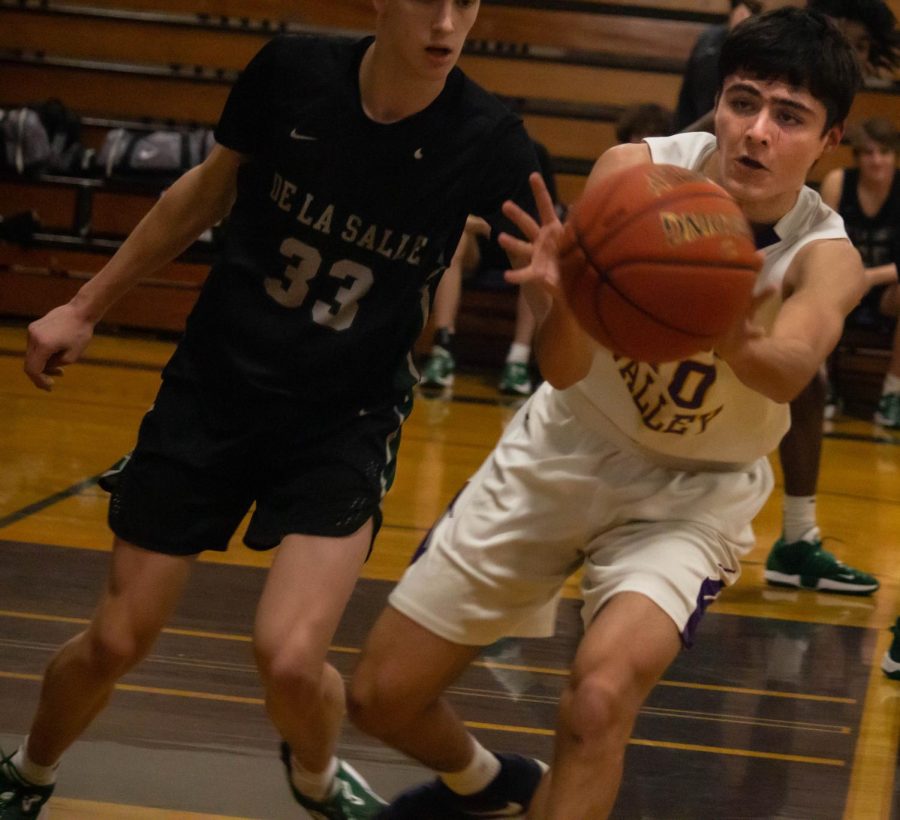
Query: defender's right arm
193	204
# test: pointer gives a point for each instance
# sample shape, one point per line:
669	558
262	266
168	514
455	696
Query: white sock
518	354
315	785
799	518
33	772
891	384
482	769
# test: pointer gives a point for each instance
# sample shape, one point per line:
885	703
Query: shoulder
476	102
618	158
293	52
832	186
688	150
833	260
474	115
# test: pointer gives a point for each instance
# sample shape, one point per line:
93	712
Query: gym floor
779	711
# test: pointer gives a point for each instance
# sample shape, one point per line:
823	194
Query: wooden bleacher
568	68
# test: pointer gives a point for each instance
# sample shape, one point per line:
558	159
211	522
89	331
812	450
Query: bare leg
525	322
308	587
401	703
800	449
890	306
894	362
611	677
446	298
142	590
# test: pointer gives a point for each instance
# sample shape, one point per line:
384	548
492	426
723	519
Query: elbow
785	390
563	373
562	381
784	395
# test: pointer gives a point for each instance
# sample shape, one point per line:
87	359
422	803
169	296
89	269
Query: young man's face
426	36
769	136
876	162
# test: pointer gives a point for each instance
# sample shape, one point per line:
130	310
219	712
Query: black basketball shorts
200	464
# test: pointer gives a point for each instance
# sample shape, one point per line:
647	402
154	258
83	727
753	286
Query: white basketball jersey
696	409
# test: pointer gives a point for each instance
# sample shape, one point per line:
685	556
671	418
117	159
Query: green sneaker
438	370
515	380
806	565
351	799
890	663
19	799
888	412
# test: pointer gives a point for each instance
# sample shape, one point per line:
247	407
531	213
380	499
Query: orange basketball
657	262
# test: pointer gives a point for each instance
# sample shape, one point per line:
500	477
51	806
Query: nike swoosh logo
296	136
510	810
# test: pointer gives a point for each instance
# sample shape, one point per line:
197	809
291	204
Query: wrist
85	306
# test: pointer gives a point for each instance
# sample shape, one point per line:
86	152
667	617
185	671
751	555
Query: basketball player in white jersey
590	474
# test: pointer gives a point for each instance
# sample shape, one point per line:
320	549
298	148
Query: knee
377	701
113	649
595	710
291	671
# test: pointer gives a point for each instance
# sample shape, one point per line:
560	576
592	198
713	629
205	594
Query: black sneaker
351	798
19	799
507	796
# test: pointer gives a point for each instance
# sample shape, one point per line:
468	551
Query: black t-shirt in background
876	237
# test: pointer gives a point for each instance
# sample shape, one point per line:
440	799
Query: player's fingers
518	276
523	220
542	199
40	380
514	246
35	363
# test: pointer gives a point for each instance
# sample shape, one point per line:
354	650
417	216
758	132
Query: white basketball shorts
555	495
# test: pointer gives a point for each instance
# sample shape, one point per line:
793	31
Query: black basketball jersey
341	227
877	237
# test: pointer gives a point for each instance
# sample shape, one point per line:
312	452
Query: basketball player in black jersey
347	170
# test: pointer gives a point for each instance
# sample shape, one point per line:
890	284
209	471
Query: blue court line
49	501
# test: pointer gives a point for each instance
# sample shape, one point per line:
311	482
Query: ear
833	137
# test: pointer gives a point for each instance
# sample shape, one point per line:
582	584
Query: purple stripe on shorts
426	541
709	591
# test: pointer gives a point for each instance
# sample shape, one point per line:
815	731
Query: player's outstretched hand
539	251
54	340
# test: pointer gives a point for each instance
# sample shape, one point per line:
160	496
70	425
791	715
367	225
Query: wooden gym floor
779	711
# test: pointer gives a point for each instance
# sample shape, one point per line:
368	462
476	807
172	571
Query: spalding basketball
657	262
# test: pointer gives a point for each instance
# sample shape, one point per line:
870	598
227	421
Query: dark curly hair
878	21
